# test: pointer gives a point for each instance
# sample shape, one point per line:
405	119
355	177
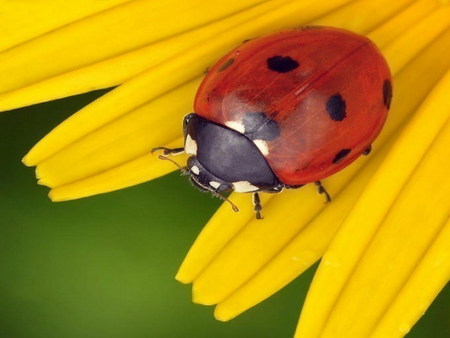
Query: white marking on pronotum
262	146
195	170
214	184
190	146
236	125
244	186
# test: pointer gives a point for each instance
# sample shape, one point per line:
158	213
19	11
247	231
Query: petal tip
26	161
222	315
30	158
199	298
51	195
180	277
54	197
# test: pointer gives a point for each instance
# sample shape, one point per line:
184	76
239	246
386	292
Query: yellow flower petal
414	82
112	106
370	14
139	170
410	227
23	20
105	35
167	76
123	139
70	73
285	215
399	52
403	21
116	69
360	227
430	275
221	228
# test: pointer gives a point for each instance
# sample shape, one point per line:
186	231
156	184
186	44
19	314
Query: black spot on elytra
387	93
226	64
258	126
340	155
281	64
336	107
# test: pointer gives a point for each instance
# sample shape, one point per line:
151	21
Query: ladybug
284	110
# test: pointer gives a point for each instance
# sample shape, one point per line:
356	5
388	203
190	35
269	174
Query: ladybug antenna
233	206
183	170
215	193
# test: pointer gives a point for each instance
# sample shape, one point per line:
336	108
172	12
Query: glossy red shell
331	63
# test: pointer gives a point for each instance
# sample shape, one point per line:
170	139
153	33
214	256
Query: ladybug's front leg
321	190
169	151
257	207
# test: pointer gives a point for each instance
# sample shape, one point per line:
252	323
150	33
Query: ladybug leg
368	150
168	151
294	186
321	190
257	207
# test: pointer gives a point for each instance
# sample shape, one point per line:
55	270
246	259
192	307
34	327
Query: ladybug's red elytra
284	110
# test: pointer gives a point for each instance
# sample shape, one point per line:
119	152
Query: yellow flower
385	238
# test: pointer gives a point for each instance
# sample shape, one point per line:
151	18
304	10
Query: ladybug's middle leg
257	207
321	190
169	151
368	150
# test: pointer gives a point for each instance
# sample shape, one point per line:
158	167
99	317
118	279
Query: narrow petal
214	285
106	34
170	18
124	139
116	69
168	75
412	224
112	106
285	215
21	21
222	227
339	262
399	52
142	169
398	24
365	20
423	75
430	276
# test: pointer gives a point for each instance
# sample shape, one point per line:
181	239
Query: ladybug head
203	179
223	159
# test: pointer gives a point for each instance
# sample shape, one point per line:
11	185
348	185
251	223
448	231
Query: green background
104	266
